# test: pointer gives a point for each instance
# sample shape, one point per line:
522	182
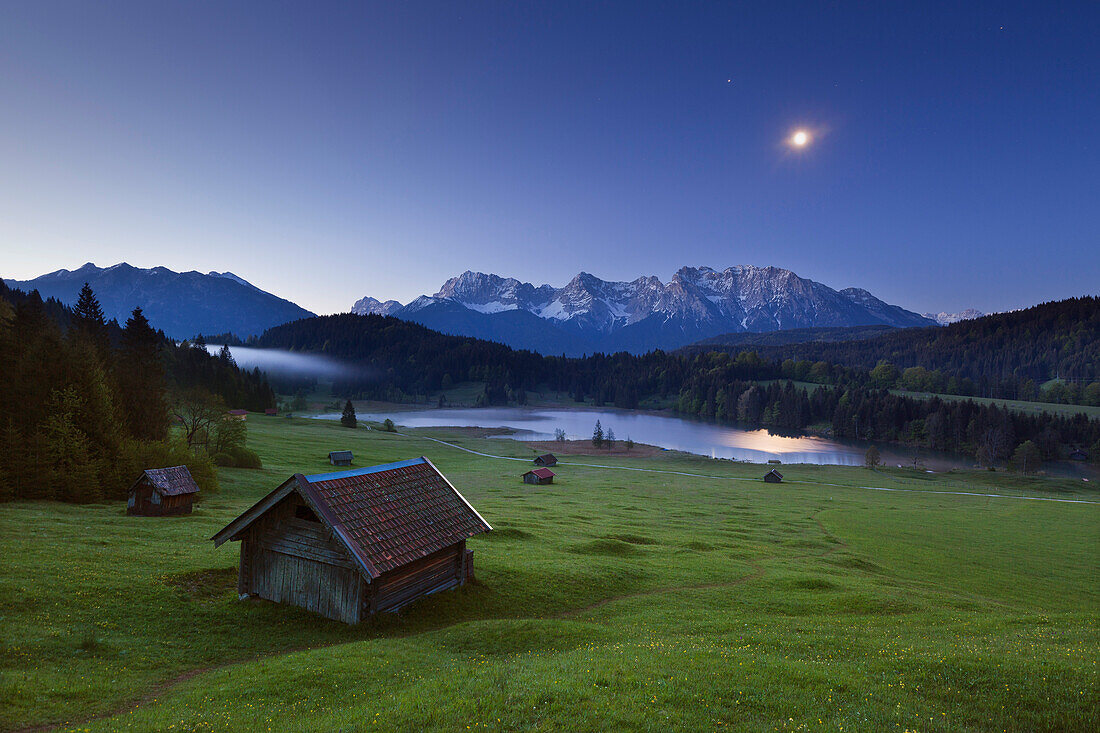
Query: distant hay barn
1078	455
237	415
539	476
340	458
162	492
546	459
352	543
773	477
271	411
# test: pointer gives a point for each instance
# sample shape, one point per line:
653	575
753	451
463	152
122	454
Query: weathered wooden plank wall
297	561
436	572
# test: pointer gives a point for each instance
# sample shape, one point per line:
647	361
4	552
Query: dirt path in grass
161	688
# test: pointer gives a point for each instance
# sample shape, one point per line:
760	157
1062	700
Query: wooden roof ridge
253	513
458	493
541	472
324	513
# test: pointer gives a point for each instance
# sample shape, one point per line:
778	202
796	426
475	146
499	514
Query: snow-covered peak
738	298
369	306
230	276
944	318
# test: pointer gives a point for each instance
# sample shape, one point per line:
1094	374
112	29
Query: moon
800	139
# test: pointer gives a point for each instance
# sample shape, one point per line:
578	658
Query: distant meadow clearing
610	599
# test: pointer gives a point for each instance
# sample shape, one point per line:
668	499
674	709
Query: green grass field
609	600
1030	408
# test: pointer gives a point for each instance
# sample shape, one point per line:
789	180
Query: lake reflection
666	431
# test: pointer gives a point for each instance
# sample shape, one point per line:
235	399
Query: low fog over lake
277	362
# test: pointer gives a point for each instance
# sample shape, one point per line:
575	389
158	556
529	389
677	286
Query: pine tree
88	319
597	435
142	380
347	419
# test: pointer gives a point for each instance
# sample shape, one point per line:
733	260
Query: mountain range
182	304
945	319
589	314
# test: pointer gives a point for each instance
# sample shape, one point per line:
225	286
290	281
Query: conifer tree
348	419
88	319
597	435
142	380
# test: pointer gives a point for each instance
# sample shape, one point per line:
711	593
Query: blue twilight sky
329	150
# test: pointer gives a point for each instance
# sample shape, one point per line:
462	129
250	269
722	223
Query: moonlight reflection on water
666	431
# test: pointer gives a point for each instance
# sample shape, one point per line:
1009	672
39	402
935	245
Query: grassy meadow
622	600
1024	406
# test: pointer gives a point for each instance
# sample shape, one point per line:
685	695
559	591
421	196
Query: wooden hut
1078	455
162	492
236	415
340	457
539	476
773	477
546	459
352	543
271	411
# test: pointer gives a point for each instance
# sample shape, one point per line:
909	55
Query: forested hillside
1005	355
86	404
397	359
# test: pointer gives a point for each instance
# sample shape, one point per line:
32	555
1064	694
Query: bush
388	425
244	458
224	460
139	455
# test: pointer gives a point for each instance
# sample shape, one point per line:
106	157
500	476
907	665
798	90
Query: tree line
398	360
1004	355
86	403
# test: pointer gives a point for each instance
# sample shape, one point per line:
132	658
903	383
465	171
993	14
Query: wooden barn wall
286	559
146	502
438	571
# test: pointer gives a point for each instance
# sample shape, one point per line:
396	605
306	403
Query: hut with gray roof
162	492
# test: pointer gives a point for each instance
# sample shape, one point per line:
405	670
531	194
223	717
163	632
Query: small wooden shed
237	415
539	476
352	543
271	411
773	477
340	457
162	492
1078	455
546	459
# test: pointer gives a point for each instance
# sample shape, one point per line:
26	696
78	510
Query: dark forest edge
87	403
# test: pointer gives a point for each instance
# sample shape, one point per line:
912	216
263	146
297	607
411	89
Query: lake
664	430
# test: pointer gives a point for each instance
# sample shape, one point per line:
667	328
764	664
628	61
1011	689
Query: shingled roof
173	481
386	516
541	472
